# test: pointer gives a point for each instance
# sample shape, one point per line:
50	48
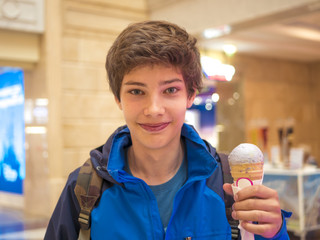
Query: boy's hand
260	204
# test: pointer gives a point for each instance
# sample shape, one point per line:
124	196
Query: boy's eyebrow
171	81
130	83
135	83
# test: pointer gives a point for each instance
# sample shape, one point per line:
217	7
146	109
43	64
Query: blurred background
261	65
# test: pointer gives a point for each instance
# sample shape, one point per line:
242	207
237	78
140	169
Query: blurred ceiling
291	34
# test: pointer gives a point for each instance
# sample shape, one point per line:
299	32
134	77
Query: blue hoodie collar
201	163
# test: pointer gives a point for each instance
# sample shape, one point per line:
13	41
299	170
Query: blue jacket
128	209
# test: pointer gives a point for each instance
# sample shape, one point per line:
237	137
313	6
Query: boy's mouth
154	127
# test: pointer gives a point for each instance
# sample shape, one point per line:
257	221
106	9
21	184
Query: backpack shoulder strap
87	191
227	178
228	200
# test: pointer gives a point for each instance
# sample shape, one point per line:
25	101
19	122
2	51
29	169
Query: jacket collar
201	163
110	158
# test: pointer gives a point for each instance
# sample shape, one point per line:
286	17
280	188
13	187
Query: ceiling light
208	106
36	130
216	32
236	95
197	101
215	97
229	49
42	101
215	70
231	101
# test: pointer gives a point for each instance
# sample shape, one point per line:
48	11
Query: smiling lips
156	127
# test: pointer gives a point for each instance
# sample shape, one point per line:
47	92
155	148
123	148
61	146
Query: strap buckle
84	219
235	232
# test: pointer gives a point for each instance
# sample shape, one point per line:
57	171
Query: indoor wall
275	94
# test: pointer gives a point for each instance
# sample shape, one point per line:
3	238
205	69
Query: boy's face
154	100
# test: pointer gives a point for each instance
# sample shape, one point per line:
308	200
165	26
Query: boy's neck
155	166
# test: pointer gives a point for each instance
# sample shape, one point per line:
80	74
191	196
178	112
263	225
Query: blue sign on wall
12	133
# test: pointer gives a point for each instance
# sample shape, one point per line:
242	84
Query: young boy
155	170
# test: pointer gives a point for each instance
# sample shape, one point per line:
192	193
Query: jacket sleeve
282	234
64	220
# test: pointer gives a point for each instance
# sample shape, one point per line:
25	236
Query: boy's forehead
153	66
166	74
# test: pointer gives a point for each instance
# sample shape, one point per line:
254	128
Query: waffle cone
253	171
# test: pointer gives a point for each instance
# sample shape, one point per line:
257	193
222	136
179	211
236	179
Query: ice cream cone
246	168
246	161
253	171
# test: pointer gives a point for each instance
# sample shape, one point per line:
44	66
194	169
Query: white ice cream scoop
245	153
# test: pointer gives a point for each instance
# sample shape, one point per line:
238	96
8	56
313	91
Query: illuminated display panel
12	133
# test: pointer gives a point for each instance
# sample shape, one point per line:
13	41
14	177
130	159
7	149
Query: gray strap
227	178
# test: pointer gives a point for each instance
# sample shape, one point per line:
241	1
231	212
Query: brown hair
154	42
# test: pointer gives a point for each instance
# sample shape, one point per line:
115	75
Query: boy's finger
268	205
228	189
267	230
256	191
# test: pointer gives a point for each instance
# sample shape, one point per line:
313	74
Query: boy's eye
171	90
136	92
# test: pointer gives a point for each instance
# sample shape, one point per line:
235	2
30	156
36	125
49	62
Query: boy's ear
118	102
191	99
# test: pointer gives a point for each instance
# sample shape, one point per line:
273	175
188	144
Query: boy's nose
154	107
